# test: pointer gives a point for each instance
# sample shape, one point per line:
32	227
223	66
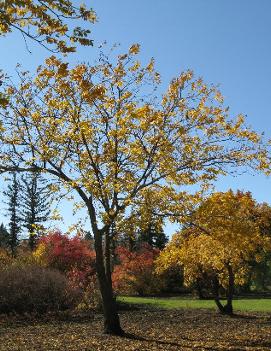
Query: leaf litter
150	329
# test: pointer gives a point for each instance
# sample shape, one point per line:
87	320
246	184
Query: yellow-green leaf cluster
47	22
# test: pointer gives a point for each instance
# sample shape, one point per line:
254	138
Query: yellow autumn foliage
225	230
48	23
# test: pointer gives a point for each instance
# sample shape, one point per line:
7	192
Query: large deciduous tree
260	275
100	130
48	22
219	242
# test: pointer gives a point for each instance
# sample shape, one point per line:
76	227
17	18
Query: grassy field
253	305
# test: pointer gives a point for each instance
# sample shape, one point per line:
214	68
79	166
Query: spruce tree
154	235
4	237
12	195
35	206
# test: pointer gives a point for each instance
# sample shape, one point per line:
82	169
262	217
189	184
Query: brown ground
147	330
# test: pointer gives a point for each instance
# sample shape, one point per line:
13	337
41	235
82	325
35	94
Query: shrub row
35	289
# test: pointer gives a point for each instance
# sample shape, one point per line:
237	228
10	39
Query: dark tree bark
107	255
227	308
199	289
113	246
215	287
111	318
103	267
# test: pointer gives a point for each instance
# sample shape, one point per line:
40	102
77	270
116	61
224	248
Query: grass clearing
252	305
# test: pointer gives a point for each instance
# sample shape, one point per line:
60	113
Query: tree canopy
221	239
48	22
101	130
97	129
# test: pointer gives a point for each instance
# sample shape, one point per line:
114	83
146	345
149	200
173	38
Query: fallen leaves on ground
146	330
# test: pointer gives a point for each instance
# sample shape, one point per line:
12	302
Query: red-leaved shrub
70	255
62	252
135	273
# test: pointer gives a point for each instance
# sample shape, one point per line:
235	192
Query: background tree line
27	199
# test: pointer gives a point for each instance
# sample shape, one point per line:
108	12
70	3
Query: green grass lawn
253	305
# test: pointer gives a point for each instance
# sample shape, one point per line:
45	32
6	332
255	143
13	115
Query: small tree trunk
13	243
32	240
215	286
131	243
111	318
199	289
228	308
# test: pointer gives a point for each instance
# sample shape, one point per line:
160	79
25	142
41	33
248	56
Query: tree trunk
114	258
215	286
107	255
199	289
32	240
111	318
228	309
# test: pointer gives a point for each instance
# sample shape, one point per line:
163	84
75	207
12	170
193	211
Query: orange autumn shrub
135	273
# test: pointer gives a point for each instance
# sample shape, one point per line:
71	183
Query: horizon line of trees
27	199
28	207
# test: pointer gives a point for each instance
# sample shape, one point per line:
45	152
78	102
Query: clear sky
227	42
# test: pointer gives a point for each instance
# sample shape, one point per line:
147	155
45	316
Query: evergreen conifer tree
154	235
4	237
35	206
12	194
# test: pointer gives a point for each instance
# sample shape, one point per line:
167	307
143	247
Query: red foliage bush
135	274
70	255
66	253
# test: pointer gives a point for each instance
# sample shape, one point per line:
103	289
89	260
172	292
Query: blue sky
227	42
